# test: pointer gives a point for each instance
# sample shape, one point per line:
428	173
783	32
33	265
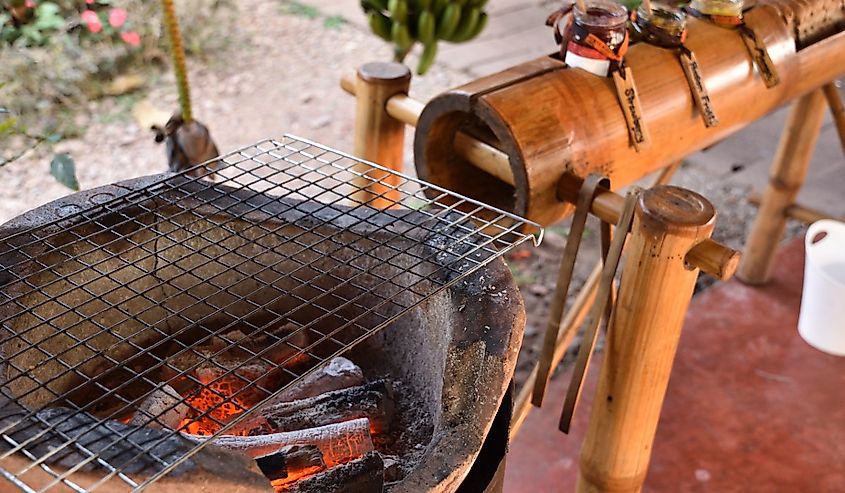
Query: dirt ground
281	76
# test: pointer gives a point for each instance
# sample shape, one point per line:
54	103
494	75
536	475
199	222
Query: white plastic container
822	318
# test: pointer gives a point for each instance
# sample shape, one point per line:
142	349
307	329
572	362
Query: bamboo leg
837	109
789	170
655	292
378	136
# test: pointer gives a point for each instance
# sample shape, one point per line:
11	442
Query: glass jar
663	25
604	19
721	11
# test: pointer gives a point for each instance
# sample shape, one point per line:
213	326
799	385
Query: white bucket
822	318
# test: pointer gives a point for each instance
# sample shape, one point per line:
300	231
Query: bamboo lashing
711	257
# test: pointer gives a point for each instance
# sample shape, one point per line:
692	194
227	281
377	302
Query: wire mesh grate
225	284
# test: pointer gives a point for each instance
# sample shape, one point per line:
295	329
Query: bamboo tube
837	109
789	170
379	137
711	257
656	289
569	327
806	215
550	119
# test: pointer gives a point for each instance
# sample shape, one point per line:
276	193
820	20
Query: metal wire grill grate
227	291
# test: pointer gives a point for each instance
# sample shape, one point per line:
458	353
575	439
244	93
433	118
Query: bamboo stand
673	222
642	339
789	170
379	137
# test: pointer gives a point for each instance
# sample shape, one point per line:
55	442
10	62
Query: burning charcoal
339	442
373	400
340	373
232	377
291	463
365	475
163	407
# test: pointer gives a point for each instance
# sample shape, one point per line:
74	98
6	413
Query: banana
398	10
482	23
422	5
439	6
380	25
427	57
469	20
401	36
370	5
449	21
426	27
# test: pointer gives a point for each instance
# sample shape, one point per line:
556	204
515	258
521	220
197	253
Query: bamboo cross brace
710	256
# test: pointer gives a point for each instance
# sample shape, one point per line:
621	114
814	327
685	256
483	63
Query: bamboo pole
837	109
379	137
655	292
806	215
787	175
177	53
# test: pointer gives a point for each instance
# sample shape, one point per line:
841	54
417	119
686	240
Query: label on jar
626	92
699	91
760	55
586	58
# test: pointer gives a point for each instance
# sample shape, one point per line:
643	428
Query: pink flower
117	17
90	18
89	2
29	4
131	38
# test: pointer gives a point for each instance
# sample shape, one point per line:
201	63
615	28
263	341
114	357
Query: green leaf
63	169
47	17
333	22
300	9
7	125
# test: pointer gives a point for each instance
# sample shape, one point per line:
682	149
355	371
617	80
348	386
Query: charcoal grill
99	290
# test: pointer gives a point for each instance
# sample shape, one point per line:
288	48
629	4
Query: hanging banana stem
177	53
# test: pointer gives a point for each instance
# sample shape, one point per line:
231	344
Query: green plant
62	166
404	22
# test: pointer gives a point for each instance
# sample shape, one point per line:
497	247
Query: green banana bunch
404	22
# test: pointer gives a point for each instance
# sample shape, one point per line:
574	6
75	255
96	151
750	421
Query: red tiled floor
750	407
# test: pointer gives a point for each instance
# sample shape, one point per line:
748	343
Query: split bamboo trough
532	123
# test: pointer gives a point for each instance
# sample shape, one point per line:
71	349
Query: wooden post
379	137
837	110
656	289
789	170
